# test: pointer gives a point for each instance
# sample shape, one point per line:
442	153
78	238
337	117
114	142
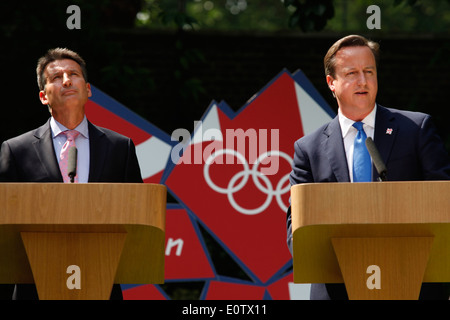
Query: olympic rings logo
256	175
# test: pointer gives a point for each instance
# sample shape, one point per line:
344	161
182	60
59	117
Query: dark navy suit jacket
408	144
31	157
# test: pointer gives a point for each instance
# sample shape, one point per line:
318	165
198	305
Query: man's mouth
69	91
361	92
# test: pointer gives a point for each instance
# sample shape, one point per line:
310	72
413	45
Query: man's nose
362	79
66	80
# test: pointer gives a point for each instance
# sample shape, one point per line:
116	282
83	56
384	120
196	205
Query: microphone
72	163
376	158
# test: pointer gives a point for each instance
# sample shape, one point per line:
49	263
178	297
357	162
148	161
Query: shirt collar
346	123
57	127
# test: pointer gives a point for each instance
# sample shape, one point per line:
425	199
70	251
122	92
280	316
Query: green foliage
397	16
310	15
214	14
405	16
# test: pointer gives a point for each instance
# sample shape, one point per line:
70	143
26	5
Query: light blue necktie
362	165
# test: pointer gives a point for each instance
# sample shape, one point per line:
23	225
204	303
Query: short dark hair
57	54
348	41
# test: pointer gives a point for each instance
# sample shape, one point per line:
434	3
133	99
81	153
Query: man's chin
69	105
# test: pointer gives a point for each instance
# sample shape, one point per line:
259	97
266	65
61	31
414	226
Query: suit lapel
98	152
46	152
335	151
386	129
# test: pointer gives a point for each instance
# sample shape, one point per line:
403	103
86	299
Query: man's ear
88	87
43	97
330	82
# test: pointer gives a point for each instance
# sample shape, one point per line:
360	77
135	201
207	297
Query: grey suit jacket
30	157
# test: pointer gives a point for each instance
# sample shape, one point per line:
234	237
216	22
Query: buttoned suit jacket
408	144
31	157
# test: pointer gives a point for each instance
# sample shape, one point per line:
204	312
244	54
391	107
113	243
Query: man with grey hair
103	155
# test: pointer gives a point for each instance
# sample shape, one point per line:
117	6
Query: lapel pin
389	131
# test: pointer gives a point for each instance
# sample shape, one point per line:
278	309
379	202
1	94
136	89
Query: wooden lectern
75	240
381	239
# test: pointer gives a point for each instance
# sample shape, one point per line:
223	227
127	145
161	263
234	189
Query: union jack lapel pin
389	131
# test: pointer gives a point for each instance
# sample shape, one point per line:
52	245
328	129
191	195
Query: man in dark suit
407	141
103	155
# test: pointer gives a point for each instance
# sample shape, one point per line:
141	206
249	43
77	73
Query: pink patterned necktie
71	135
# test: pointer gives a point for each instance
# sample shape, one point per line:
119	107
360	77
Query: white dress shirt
349	134
81	141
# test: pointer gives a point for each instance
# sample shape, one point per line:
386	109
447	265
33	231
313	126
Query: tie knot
71	134
358	125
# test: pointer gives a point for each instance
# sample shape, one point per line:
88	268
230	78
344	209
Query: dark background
170	77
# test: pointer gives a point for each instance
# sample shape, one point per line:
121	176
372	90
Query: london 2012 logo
248	148
230	176
240	179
